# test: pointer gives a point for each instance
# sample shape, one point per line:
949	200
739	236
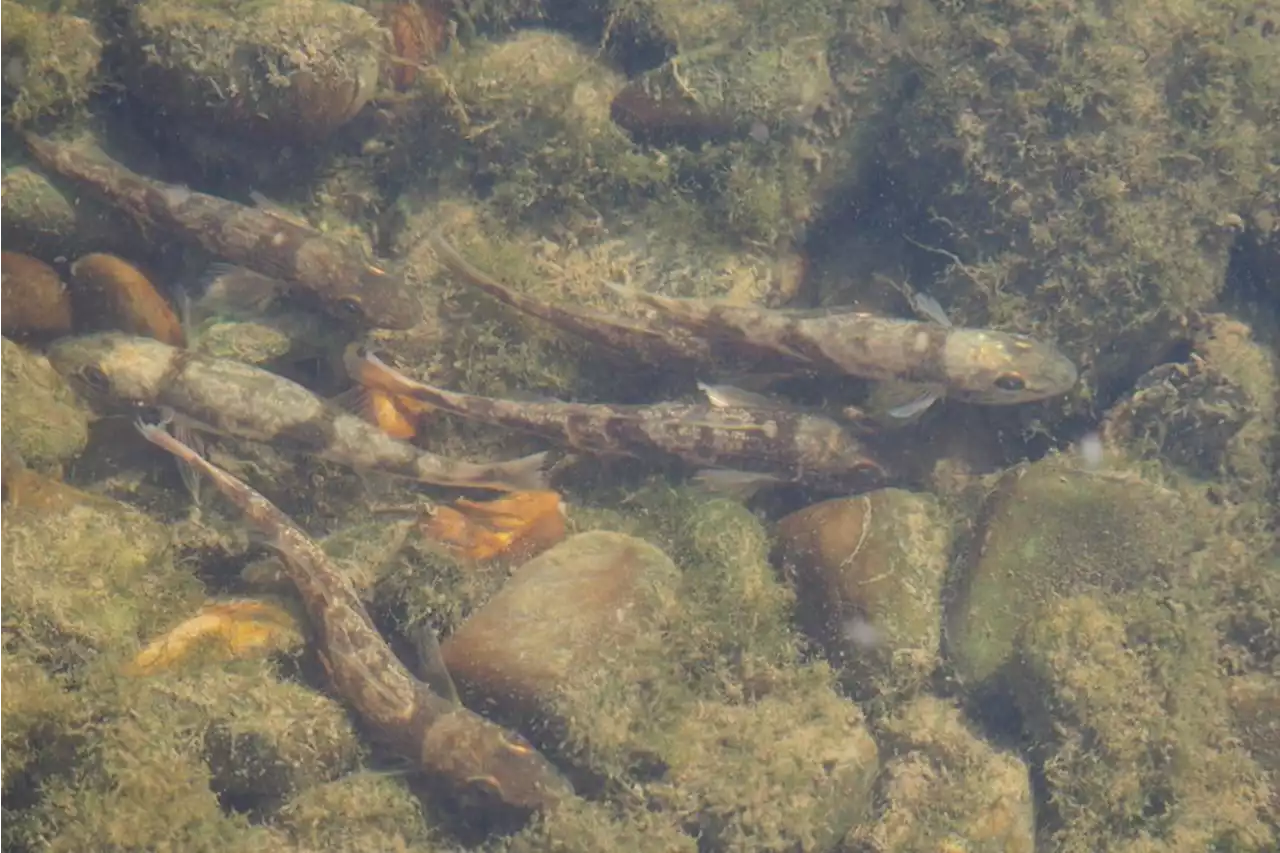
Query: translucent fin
735	484
526	474
914	407
729	396
928	307
279	211
431	669
231	289
189	473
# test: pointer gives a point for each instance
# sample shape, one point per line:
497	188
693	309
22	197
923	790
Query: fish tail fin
526	474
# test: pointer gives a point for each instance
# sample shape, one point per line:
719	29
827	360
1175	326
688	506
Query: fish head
1006	369
380	299
493	767
114	368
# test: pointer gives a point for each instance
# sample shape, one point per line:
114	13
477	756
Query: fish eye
95	378
350	307
1010	382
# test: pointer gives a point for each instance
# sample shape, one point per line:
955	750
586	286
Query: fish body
231	398
443	738
705	335
974	365
307	261
791	445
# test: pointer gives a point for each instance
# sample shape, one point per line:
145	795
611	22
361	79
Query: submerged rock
947	789
291	71
572	626
1050	529
44	423
868	573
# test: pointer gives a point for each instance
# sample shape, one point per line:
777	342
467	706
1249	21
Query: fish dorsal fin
273	208
431	669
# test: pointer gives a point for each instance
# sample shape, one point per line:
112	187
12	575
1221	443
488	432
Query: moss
51	60
1130	718
291	71
363	811
790	772
44	424
945	788
1077	170
89	580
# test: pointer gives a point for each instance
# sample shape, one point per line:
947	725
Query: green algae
1051	529
45	424
51	60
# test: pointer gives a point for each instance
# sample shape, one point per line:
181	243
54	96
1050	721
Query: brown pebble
35	301
590	610
111	294
868	573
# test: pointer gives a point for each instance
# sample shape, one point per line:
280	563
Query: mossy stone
44	423
1050	529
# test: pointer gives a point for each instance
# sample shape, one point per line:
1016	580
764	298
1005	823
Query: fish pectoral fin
184	433
730	396
274	208
431	670
915	406
230	290
741	485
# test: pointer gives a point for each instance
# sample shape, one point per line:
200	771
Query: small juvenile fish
111	293
304	259
443	739
974	365
231	398
791	446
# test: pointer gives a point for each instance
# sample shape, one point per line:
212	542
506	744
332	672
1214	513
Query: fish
448	742
790	446
980	366
515	528
308	262
225	397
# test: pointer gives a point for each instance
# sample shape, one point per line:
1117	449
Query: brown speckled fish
778	444
305	260
227	397
974	365
470	754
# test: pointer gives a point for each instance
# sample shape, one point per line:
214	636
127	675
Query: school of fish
737	440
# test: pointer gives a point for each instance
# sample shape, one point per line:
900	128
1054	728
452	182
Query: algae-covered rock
947	789
550	145
1130	717
362	811
1213	415
37	215
1079	177
290	71
44	422
50	62
790	772
868	573
36	712
1050	529
88	578
572	638
264	739
139	782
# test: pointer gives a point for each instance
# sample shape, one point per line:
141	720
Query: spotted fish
973	365
473	756
305	260
231	398
785	445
